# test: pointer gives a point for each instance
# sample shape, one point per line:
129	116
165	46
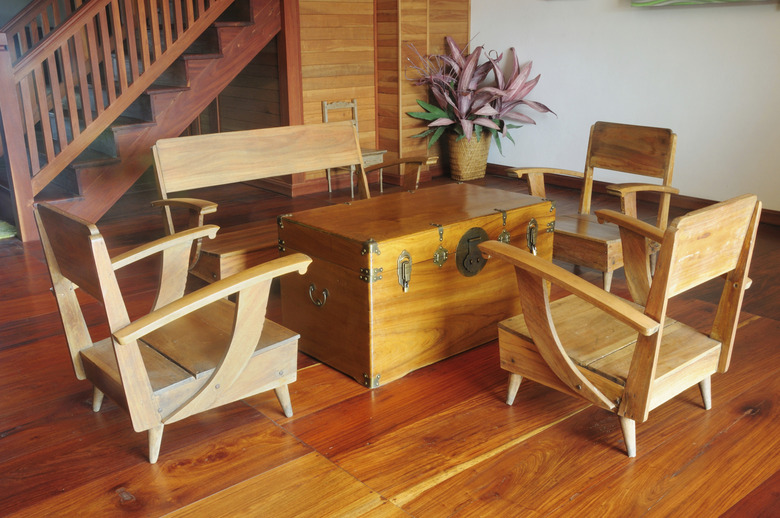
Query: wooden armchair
193	352
640	150
630	358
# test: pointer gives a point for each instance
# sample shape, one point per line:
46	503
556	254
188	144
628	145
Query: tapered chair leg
607	281
97	399
155	440
706	392
629	435
283	395
514	385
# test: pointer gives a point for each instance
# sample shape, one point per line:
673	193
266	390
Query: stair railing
79	77
33	23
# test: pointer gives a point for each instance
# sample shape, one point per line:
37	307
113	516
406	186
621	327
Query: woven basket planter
468	158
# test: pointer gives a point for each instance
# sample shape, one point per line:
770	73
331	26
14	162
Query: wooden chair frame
630	358
143	365
640	150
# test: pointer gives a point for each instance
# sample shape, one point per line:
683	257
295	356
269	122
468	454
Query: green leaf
436	134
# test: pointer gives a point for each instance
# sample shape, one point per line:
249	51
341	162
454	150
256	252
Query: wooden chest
397	281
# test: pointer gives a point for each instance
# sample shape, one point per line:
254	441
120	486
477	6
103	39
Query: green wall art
663	3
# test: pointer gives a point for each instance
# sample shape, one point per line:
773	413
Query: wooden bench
196	162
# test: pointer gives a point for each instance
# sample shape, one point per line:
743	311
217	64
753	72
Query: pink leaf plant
465	102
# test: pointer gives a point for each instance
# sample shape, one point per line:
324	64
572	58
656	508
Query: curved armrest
164	243
622	189
420	161
194	204
630	223
628	191
607	302
211	293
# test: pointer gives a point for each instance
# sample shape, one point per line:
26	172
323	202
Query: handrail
44	15
85	72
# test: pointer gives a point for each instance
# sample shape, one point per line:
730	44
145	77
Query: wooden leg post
629	435
283	395
155	440
607	281
97	399
514	385
706	392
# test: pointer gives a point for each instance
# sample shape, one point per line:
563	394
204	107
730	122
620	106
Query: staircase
88	86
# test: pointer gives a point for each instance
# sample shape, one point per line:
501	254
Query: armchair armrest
536	177
628	191
607	302
159	245
211	293
622	189
518	172
630	223
418	161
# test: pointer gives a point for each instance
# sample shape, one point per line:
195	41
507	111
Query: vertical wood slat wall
358	49
399	24
338	61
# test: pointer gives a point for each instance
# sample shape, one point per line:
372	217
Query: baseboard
679	201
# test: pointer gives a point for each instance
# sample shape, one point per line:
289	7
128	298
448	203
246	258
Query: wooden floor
439	442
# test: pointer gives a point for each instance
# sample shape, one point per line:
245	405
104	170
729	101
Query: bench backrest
199	161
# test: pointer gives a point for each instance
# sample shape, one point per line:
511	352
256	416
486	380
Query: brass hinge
370	246
550	227
280	219
281	245
368	275
370	382
552	203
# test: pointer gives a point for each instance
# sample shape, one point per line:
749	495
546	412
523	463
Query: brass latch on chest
404	270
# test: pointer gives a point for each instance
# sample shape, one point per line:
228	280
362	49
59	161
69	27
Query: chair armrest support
162	244
630	223
607	302
211	293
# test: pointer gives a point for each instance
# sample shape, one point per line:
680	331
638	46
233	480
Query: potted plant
467	105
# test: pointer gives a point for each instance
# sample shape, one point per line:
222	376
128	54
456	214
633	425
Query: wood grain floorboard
438	442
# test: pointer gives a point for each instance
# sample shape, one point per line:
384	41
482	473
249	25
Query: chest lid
378	229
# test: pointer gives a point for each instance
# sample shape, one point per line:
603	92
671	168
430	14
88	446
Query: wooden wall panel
338	60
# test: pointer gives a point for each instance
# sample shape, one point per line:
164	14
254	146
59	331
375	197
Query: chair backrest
639	150
199	161
77	256
704	244
327	107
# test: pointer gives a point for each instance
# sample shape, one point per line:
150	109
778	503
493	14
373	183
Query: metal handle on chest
317	302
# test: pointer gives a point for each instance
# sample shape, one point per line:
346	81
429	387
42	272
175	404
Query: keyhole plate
468	256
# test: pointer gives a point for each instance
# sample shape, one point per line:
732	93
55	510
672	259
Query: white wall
711	74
